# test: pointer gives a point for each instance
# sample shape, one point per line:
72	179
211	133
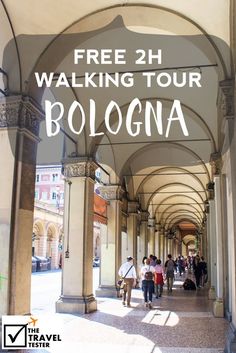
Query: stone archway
37	237
52	249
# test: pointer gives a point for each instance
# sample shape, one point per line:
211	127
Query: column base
230	346
212	293
76	305
218	308
107	292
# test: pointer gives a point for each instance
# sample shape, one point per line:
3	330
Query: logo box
15	336
30	332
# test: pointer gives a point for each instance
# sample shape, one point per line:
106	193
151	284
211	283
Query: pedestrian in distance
197	270
203	266
143	260
169	271
153	259
180	265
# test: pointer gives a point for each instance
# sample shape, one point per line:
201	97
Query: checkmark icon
14	337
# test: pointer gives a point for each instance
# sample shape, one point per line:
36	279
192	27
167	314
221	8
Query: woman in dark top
203	266
197	269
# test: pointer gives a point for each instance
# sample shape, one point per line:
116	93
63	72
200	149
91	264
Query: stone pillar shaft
218	307
151	236
131	249
19	127
157	241
162	247
110	241
226	107
77	275
212	230
142	241
170	246
219	240
132	235
42	245
165	247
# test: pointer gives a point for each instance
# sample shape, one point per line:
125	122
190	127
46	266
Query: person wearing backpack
169	270
147	276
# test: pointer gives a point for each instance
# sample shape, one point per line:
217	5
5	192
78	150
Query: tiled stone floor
180	322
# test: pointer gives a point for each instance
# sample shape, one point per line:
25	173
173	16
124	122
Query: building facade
49	185
48	215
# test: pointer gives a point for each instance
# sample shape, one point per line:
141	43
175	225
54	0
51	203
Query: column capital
216	163
144	216
158	227
151	222
20	112
111	192
211	190
133	207
226	98
79	167
207	207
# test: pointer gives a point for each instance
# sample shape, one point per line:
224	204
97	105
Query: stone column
174	248
170	246
161	242
132	229
142	250
110	241
77	275
212	248
55	254
179	247
208	259
19	128
151	236
218	306
165	246
226	110
204	242
158	240
42	249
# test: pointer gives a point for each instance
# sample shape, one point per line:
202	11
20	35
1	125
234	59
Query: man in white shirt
128	272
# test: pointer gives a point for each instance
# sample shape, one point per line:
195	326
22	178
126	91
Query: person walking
180	265
128	273
169	271
153	260
159	279
139	280
197	269
203	266
147	276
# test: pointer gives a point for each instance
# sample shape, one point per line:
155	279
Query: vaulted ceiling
168	176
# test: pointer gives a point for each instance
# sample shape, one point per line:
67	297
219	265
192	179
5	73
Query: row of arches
47	241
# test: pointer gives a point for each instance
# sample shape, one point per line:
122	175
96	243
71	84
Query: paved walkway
180	322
